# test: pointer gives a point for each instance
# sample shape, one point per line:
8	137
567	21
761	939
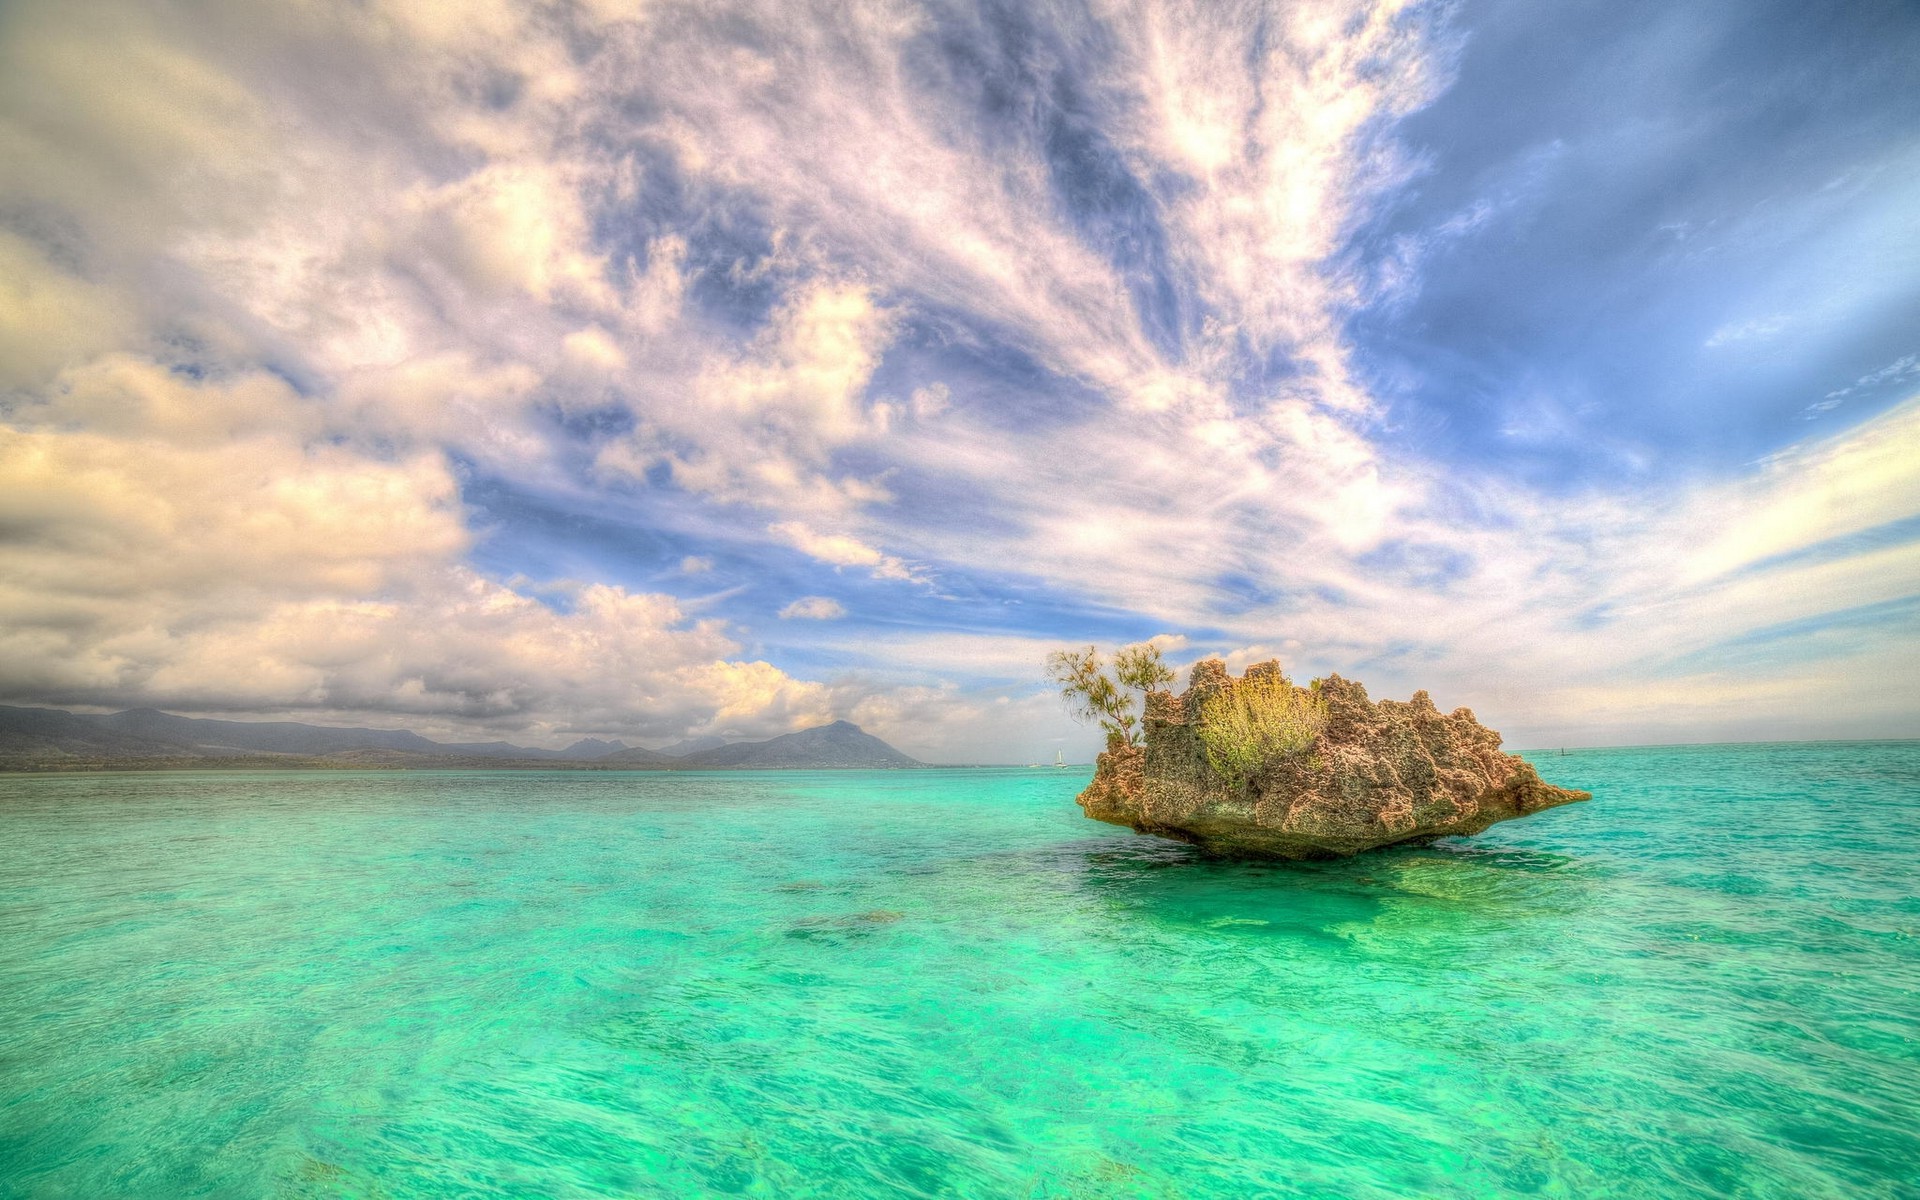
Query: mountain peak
587	749
595	744
31	735
693	745
837	744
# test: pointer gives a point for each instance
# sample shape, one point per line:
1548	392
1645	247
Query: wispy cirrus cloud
840	550
977	327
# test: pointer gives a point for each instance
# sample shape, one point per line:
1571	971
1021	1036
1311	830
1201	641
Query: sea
949	983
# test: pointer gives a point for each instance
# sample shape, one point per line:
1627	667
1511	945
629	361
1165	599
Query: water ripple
1706	983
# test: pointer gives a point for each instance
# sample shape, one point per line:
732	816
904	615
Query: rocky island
1256	767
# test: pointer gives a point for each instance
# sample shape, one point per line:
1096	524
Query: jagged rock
1378	774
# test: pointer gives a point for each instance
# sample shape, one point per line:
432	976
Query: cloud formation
393	360
814	608
197	546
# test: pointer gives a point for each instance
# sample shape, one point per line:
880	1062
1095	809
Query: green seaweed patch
316	1178
859	924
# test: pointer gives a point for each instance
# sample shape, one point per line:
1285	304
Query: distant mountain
637	756
256	737
587	749
841	744
694	745
38	738
43	738
51	734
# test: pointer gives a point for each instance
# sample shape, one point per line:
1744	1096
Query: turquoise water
949	983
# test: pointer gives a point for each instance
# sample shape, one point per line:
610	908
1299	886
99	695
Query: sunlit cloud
404	360
841	551
814	608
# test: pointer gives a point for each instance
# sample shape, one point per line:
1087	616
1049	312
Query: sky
642	370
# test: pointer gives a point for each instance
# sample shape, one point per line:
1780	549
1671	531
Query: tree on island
1115	701
1246	726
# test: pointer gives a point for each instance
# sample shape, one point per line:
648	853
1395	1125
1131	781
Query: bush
1258	720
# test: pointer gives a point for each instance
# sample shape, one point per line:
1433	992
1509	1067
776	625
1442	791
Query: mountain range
841	744
51	738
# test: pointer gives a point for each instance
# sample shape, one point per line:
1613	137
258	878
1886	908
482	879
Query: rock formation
1375	775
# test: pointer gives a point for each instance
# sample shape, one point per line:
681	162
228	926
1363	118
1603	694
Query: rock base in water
1376	775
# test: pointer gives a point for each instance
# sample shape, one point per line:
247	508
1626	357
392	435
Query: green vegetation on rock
1256	767
1262	718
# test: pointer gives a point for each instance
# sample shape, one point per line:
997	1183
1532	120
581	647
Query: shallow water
949	983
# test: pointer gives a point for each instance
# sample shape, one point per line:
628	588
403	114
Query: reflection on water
1437	890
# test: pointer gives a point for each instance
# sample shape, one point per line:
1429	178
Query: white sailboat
1060	759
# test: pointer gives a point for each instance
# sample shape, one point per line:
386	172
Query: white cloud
760	424
198	545
512	226
50	317
594	350
287	265
942	724
447	399
843	551
1756	329
1817	492
1895	373
814	608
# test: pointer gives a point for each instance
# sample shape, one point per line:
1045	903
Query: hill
50	733
841	744
48	738
30	735
693	745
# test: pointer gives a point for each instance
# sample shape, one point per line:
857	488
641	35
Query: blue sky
548	370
